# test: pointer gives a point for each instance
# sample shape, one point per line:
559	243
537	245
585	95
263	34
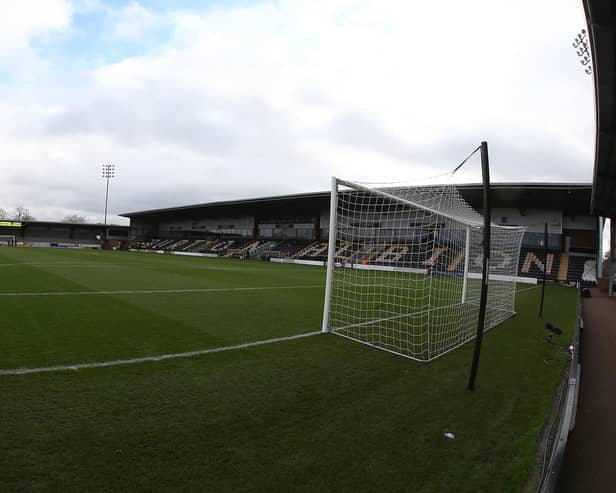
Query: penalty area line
147	359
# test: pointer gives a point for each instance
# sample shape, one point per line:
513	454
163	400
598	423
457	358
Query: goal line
401	354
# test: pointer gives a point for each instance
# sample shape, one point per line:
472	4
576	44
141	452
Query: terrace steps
564	267
456	261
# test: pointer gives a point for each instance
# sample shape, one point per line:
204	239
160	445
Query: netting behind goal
407	267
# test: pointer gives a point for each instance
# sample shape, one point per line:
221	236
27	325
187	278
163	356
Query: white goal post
404	268
7	240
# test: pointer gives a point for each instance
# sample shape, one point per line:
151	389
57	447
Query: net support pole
545	267
600	248
467	254
610	284
485	172
331	253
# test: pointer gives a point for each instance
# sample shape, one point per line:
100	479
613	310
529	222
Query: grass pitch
314	414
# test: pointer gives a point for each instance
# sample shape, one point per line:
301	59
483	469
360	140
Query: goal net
405	267
7	240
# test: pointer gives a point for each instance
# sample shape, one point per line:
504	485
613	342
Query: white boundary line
64	263
156	291
527	289
501	277
146	359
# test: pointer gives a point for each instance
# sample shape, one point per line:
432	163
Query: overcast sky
196	101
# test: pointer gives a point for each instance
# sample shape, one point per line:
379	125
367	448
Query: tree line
22	213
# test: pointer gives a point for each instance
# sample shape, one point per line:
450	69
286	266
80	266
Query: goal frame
471	229
331	245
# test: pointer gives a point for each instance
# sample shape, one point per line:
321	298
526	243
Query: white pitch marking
527	289
156	291
145	359
61	264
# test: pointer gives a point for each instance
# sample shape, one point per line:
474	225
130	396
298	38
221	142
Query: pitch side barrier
53	244
171	252
563	413
319	263
391	268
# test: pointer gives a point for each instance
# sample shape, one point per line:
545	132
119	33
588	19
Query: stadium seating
243	248
314	251
284	249
561	267
392	254
260	249
532	264
218	247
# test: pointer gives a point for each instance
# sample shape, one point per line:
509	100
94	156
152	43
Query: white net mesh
408	262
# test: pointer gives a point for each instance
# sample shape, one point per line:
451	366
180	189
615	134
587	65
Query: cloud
29	19
275	97
134	22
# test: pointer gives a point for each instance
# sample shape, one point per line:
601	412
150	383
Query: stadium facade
296	226
63	234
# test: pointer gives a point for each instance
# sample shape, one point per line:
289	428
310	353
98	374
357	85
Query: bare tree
23	213
3	214
75	218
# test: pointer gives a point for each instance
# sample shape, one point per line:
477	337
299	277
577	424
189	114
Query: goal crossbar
389	196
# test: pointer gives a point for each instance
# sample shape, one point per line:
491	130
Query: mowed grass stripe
317	414
159	291
44	331
149	271
314	414
61	264
51	330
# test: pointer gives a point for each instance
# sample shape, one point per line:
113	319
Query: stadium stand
295	227
243	248
285	249
561	267
265	246
313	251
532	263
64	234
